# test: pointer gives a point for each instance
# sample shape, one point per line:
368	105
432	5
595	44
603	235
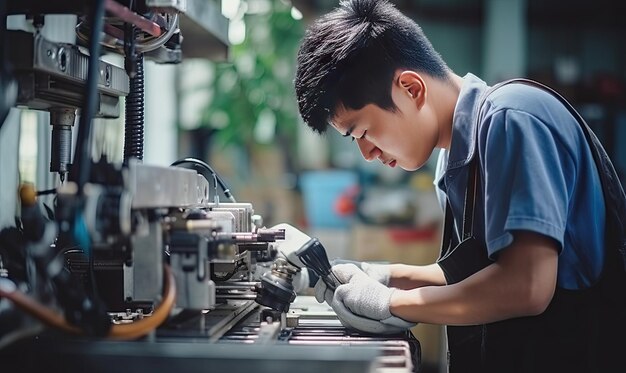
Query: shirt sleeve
528	173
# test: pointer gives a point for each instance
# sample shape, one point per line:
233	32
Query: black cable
227	276
202	168
88	313
82	158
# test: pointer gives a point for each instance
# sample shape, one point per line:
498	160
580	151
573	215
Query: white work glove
294	240
301	280
379	272
362	303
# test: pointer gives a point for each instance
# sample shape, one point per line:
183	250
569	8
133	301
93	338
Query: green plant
253	100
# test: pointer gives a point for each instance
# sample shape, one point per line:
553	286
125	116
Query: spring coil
133	133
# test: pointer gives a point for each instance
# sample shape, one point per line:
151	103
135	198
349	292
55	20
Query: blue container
320	191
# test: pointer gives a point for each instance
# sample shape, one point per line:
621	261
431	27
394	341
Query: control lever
313	256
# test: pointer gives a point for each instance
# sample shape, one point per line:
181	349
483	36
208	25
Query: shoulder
517	105
526	99
522	119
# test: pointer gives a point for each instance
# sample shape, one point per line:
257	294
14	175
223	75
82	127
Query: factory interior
150	150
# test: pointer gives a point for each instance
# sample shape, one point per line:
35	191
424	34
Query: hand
301	280
362	303
378	272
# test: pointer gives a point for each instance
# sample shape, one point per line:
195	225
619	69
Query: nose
368	150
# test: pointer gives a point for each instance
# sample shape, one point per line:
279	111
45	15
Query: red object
404	235
345	204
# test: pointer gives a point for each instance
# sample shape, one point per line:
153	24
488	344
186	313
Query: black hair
349	56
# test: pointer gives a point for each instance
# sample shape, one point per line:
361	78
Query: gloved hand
301	280
379	272
362	303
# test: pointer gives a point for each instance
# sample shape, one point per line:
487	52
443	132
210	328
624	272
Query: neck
447	94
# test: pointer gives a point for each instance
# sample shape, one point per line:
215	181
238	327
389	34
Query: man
525	290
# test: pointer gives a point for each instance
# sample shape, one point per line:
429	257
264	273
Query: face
405	137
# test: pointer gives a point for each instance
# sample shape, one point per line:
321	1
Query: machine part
257	221
292	319
207	325
156	43
276	287
313	255
205	27
33	223
228	290
199	17
107	212
8	86
118	331
205	170
130	51
225	324
61	120
144	275
128	16
260	235
53	74
133	132
318	327
156	187
169	5
214	222
189	258
241	211
162	49
184	356
269	316
268	332
83	312
115	42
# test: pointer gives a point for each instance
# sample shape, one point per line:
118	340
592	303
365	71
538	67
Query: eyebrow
349	132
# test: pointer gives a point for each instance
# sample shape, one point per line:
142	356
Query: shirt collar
463	143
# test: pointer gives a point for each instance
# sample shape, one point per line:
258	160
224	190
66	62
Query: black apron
581	330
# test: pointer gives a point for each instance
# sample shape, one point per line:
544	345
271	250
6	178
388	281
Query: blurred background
240	116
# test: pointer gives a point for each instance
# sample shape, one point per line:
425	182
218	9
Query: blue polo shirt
536	174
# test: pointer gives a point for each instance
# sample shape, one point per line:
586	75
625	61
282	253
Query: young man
525	292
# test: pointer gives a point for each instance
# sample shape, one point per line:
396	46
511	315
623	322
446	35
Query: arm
520	283
409	277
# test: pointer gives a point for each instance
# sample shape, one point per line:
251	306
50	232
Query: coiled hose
133	133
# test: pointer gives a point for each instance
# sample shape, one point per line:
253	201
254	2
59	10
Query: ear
414	85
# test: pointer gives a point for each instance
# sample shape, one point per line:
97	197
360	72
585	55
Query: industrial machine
135	264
